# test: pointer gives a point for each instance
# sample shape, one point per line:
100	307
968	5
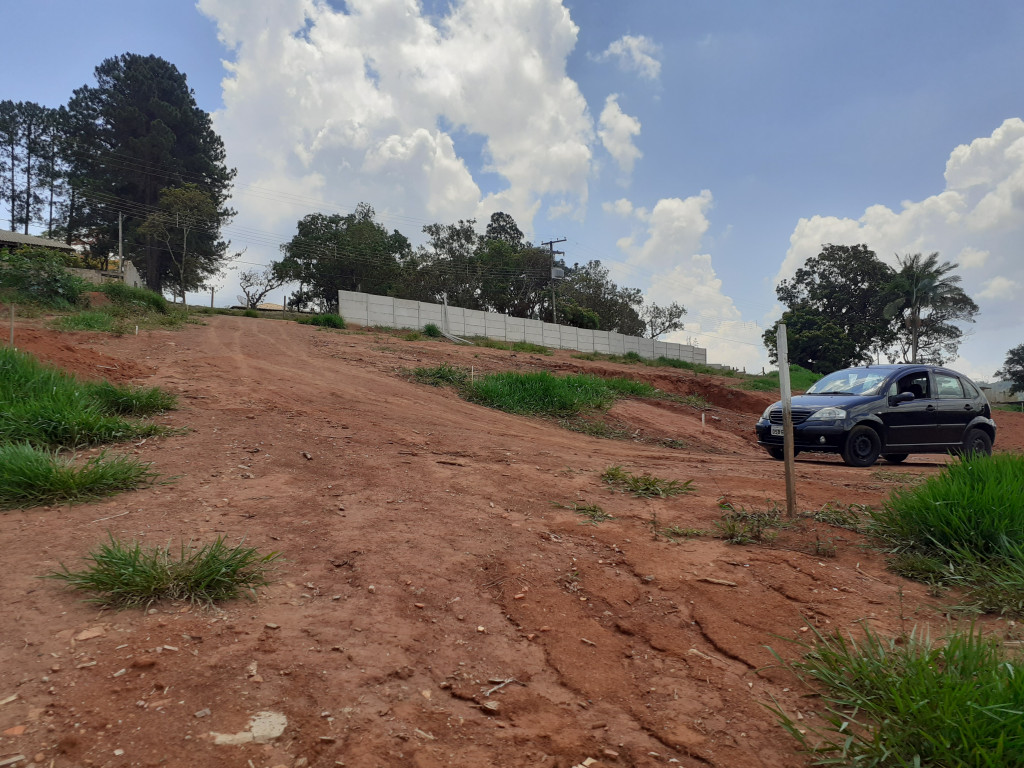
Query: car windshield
855	381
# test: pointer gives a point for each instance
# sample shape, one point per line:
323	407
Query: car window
854	381
969	388
948	387
916	384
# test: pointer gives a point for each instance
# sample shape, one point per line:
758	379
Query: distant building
11	240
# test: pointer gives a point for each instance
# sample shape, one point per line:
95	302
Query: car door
953	408
911	422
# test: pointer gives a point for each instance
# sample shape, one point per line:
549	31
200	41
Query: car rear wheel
895	458
862	447
777	452
977	442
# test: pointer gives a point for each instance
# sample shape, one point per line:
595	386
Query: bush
542	393
88	320
324	321
126	295
250	313
30	476
430	330
126	575
38	275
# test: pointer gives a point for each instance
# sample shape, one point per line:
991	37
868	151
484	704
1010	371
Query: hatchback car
884	410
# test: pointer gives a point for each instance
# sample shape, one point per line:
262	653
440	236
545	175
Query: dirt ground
437	603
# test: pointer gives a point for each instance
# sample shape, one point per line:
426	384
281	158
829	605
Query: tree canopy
1013	369
135	133
848	307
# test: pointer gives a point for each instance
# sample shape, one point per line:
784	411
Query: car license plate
776	430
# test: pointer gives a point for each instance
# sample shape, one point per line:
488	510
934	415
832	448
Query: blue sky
701	150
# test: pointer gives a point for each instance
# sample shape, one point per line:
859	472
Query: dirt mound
442	600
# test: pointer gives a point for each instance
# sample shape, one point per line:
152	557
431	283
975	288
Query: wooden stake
787	418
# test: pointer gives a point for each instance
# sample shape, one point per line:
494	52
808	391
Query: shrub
430	330
88	320
250	313
126	295
125	575
441	375
324	321
542	393
30	476
38	275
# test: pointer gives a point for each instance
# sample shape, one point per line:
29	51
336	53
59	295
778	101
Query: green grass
740	526
253	313
442	375
646	485
126	575
909	701
48	408
324	321
799	380
542	393
592	513
963	527
127	296
512	346
431	331
88	320
31	476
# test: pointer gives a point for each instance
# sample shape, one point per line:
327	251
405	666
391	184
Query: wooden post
12	325
787	418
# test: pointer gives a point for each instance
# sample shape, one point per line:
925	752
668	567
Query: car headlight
829	413
766	416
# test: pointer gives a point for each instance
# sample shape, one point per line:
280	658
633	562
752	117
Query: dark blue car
885	410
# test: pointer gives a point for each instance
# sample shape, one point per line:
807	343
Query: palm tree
921	283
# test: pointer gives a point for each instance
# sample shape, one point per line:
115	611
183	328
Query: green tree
812	341
334	252
847	286
183	216
1013	369
135	133
925	299
26	142
617	308
659	320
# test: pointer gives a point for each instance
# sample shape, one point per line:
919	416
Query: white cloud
374	99
977	221
665	252
621	207
635	54
616	130
999	288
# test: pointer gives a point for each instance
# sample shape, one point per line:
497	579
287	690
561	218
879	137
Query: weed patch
431	331
739	526
592	513
123	575
323	321
646	485
442	375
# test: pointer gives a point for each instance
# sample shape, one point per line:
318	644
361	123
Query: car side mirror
902	397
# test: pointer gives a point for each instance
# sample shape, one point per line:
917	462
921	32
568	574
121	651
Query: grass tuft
431	331
126	575
646	485
442	375
31	476
908	701
963	527
323	321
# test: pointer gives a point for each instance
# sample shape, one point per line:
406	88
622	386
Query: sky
702	151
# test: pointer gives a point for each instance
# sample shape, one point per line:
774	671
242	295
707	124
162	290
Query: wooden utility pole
551	245
787	418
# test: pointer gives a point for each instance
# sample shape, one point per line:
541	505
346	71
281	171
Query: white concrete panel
616	343
534	330
646	348
494	325
431	313
551	335
660	349
584	340
515	329
630	344
476	322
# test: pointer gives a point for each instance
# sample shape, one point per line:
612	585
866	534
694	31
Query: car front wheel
862	447
977	442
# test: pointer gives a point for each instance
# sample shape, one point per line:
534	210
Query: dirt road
440	603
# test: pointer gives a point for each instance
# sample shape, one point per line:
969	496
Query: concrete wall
367	309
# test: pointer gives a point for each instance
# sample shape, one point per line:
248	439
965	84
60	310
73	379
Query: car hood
814	402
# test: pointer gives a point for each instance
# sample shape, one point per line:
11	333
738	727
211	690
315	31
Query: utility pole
551	246
120	242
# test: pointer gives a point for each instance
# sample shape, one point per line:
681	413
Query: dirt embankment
440	602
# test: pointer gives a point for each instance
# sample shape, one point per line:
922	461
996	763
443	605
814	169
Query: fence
367	309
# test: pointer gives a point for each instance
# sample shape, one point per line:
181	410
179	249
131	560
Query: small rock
371	588
611	753
118	752
490	707
39	757
307	455
481	629
203	712
270	625
89	634
15	731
